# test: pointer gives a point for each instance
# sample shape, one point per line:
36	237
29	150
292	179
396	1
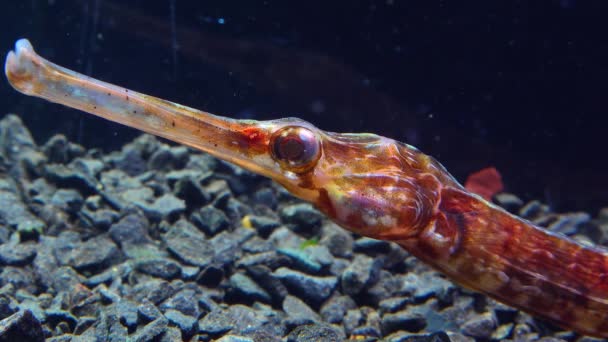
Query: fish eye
296	148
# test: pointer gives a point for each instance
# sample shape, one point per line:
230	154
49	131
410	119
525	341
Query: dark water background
518	85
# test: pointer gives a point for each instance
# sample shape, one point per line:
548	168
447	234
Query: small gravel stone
362	272
302	217
148	312
509	201
298	313
15	214
314	333
183	301
184	322
165	207
264	225
238	319
334	310
21	326
68	177
190	245
312	289
480	326
151	330
94	254
245	287
159	267
408	320
131	229
210	219
68	200
17	254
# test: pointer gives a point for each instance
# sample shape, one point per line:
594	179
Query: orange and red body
368	184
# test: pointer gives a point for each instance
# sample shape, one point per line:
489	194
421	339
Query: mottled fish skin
370	185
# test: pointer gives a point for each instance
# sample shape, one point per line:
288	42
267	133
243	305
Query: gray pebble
15	214
210	219
264	225
131	229
68	177
314	333
159	267
480	326
362	272
408	320
298	312
334	310
68	200
148	311
190	245
302	217
184	322
184	301
165	207
310	288
509	201
21	326
150	331
248	289
17	254
96	254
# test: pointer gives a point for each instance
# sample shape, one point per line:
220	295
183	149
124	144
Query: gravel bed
157	242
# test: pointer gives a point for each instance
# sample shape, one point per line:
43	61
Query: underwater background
106	234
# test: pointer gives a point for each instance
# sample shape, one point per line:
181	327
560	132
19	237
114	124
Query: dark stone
408	320
127	311
66	177
270	259
151	330
273	286
371	246
480	326
338	241
148	312
265	196
19	277
211	275
172	334
189	244
101	219
91	167
434	337
68	200
210	219
315	332
131	161
298	313
184	322
55	316
159	267
166	207
18	147
336	307
236	209
509	201
84	323
21	326
17	254
57	149
264	225
311	289
238	319
166	158
8	306
94	254
187	186
393	304
244	287
227	245
361	273
154	291
183	301
15	214
302	217
132	229
301	259
423	286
